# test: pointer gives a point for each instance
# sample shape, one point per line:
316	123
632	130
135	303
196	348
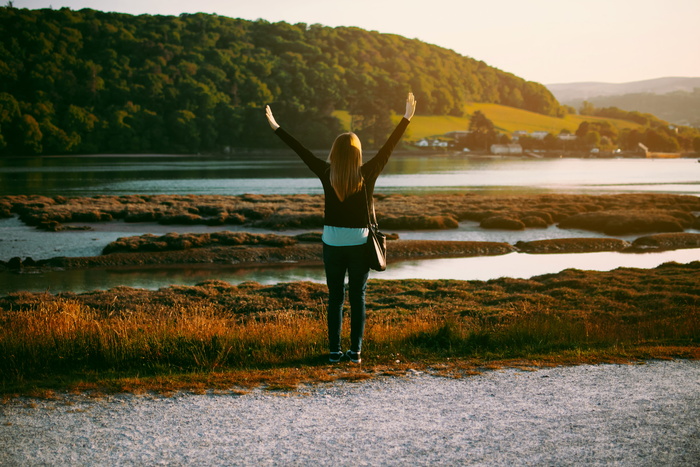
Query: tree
696	144
30	137
9	119
479	123
183	125
586	108
482	131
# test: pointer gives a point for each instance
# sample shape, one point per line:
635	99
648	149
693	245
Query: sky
547	41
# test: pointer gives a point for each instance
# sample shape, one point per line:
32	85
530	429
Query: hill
93	82
676	100
678	107
567	92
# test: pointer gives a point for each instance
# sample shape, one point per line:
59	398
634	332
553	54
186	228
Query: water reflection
518	265
269	173
21	240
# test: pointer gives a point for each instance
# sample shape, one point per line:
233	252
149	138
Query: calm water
479	268
270	174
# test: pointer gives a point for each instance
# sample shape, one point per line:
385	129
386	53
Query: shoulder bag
376	240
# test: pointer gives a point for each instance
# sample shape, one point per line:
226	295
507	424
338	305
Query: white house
436	143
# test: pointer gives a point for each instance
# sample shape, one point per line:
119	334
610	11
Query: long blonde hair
346	160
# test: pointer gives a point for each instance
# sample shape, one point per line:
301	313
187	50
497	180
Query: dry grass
219	336
616	222
628	213
177	241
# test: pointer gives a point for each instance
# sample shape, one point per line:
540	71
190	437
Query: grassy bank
216	335
506	119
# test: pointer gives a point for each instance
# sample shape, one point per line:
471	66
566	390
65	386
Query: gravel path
605	414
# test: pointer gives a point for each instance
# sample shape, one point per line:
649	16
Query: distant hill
675	100
566	92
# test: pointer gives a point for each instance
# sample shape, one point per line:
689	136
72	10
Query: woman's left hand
410	106
270	119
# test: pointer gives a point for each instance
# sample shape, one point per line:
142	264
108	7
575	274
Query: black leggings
338	261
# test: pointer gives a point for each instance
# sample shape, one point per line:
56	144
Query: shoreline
310	253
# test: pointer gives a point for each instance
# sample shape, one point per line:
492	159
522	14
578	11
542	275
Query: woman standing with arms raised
348	185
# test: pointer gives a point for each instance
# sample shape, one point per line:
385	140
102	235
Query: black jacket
352	212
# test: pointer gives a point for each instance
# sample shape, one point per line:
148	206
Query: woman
348	184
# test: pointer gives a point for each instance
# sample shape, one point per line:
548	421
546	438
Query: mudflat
662	221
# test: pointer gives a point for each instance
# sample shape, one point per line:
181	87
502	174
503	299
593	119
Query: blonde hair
346	160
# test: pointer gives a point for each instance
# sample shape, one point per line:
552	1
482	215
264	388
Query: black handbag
376	240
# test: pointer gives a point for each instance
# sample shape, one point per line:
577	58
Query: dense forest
92	82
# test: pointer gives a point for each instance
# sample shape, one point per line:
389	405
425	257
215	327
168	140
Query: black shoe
353	356
335	357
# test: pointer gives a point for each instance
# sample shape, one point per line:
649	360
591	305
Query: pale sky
548	41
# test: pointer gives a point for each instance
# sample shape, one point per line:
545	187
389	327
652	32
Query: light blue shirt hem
344	236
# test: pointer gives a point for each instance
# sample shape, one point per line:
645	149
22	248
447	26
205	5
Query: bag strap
373	217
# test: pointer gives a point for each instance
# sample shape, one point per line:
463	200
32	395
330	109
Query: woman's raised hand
410	106
270	119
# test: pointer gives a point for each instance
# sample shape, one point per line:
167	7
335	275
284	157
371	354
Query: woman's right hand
410	106
270	119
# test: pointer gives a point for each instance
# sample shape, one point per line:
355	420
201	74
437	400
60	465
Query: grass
219	336
644	212
506	119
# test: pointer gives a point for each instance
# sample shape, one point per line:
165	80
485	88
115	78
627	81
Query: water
519	265
21	240
267	173
285	174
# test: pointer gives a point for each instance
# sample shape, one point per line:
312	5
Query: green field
506	120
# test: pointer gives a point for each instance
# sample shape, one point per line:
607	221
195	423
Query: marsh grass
216	336
637	213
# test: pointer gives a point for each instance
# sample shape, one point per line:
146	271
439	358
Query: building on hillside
539	134
516	135
435	143
507	149
567	137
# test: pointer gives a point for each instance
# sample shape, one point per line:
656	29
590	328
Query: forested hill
93	82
